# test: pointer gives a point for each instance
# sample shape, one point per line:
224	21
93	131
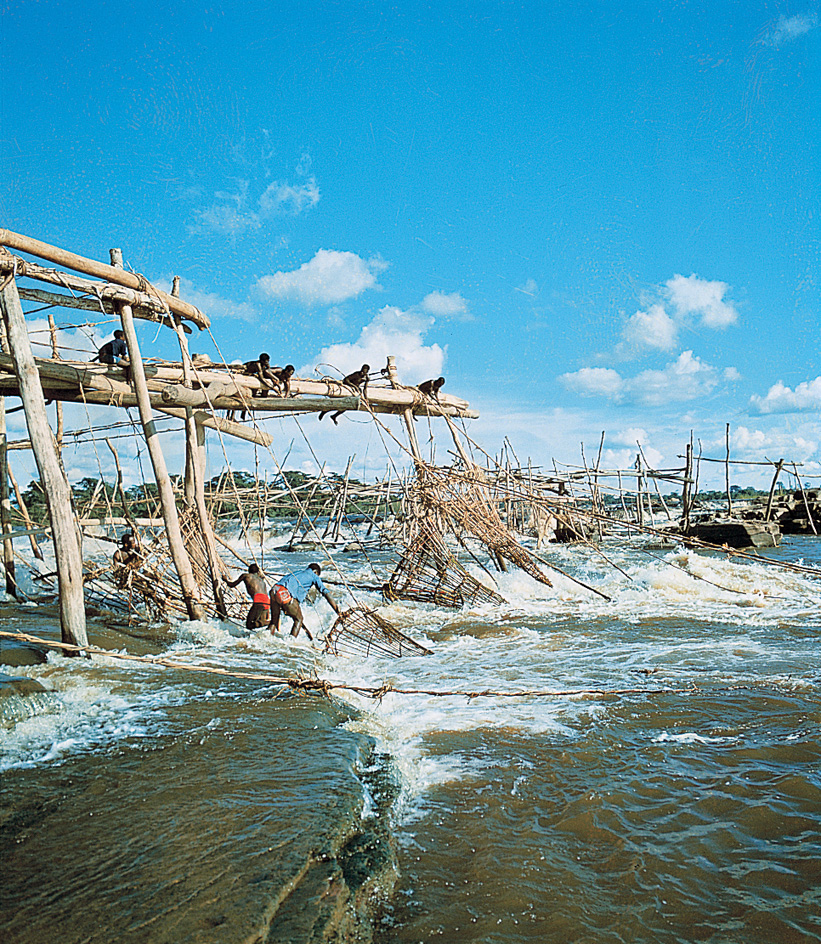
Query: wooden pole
179	555
35	547
779	466
55	353
685	489
727	472
65	532
344	501
112	273
407	414
5	506
804	497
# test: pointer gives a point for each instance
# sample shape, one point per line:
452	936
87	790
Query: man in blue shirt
114	351
291	591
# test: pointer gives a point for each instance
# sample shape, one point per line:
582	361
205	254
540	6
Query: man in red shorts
254	582
291	591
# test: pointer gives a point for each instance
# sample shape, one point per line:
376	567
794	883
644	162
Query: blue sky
590	217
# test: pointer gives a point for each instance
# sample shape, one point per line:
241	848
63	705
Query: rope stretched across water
313	685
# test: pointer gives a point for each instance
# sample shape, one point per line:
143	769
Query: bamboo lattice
429	573
464	502
361	631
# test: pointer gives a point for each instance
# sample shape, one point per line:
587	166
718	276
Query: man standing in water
288	595
255	585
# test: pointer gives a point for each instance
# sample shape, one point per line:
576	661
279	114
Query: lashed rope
315	685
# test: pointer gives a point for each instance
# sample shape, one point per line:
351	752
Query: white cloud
653	328
755	444
686	300
697	296
392	331
225	220
782	399
330	278
235	213
789	28
595	382
442	305
685	378
281	197
77	344
628	437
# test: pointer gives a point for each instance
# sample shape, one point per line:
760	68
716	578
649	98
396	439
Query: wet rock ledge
239	819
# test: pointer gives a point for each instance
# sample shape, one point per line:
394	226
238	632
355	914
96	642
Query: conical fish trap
429	573
363	632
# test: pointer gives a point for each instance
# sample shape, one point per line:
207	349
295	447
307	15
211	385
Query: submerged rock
18	685
13	652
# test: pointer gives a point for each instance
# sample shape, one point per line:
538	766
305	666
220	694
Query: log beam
65	532
101	270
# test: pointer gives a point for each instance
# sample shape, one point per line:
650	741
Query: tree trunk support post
195	469
179	555
5	506
407	414
778	467
65	532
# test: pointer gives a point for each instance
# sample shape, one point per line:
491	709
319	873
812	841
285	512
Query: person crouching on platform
261	605
114	352
289	594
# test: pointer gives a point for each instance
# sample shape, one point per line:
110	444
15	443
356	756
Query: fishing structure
489	508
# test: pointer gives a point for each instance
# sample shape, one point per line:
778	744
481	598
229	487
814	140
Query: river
663	785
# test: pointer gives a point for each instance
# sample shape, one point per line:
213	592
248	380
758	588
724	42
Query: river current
664	785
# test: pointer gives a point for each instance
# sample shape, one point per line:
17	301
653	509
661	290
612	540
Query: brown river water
153	805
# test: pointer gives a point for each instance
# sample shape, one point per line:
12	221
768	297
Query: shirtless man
431	388
283	378
261	369
358	380
289	594
127	558
128	553
255	585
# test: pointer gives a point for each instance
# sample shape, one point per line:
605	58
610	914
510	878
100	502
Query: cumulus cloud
756	443
695	296
788	28
442	305
685	378
628	437
392	331
330	278
782	399
686	301
595	382
653	328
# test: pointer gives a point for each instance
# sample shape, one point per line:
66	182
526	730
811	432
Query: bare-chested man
358	380
254	582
